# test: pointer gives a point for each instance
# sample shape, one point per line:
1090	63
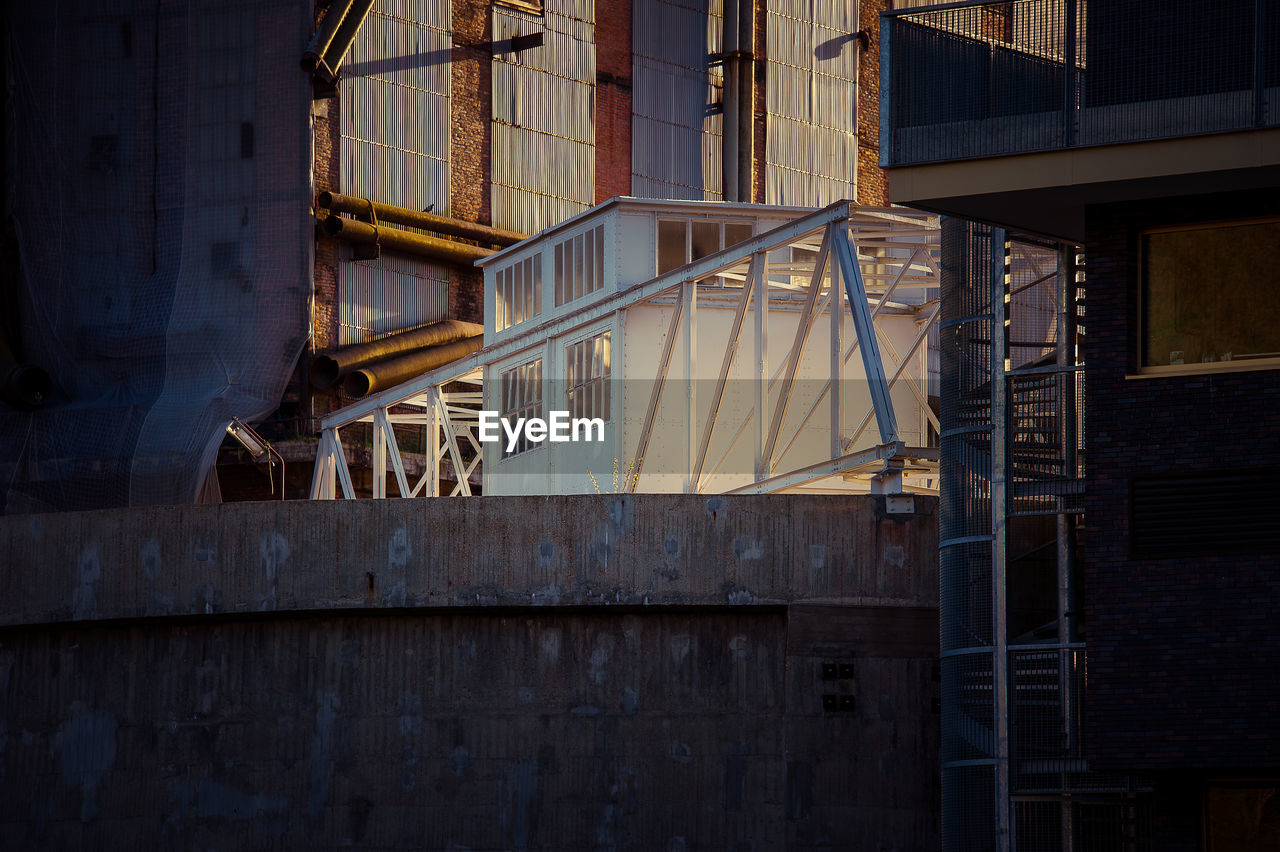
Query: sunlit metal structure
774	319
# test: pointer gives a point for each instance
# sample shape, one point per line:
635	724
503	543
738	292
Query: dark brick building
1152	161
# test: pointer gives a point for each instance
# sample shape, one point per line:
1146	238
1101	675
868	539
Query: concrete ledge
486	551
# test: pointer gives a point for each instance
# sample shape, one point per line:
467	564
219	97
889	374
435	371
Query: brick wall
1183	651
613	99
470	142
470	106
759	114
873	182
326	118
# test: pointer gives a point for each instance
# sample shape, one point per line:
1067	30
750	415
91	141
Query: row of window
578	264
682	241
586	379
518	292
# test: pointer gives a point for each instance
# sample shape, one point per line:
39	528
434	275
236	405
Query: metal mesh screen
968	809
1056	803
966	707
160	222
1030	75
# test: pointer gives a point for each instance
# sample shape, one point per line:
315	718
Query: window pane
560	300
599	256
536	263
506	287
519	293
736	232
671	247
499	301
589	264
521	392
706	238
577	266
1209	294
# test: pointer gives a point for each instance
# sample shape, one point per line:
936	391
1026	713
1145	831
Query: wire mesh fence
985	79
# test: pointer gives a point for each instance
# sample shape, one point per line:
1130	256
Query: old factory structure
230	225
931	353
1110	412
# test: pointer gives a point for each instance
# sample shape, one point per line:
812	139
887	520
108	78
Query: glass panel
506	287
736	232
499	301
706	238
671	244
588	264
599	256
1208	294
537	284
518	311
560	300
577	266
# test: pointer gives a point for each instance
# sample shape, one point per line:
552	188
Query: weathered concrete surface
488	692
517	551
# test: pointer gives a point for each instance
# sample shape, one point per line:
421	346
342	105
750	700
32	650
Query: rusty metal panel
676	148
543	144
390	294
811	143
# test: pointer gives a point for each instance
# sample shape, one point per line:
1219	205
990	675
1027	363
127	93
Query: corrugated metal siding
390	294
394	96
543	146
676	148
811	144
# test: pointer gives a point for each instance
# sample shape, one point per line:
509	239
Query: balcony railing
982	79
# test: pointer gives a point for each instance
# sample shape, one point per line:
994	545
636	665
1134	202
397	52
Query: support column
1000	692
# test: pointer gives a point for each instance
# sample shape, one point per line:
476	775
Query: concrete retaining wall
494	673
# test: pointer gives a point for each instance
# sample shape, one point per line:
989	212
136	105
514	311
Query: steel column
1000	694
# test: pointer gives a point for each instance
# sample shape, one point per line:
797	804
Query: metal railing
980	79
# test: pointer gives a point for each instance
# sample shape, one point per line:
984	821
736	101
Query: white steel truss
849	257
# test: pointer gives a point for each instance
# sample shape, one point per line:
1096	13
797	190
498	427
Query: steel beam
761	381
803	325
864	328
725	366
655	396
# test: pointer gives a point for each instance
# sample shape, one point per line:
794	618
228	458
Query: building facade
203	146
1151	163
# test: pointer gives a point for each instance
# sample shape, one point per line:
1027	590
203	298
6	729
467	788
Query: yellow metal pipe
404	241
416	219
328	368
387	374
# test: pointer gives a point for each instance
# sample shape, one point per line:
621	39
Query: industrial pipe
387	374
343	39
405	241
333	38
22	385
738	134
328	368
314	54
416	219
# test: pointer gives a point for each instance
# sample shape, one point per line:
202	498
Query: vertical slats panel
811	145
394	98
676	147
393	293
543	146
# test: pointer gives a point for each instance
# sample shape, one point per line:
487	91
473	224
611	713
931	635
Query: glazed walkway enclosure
778	350
962	80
